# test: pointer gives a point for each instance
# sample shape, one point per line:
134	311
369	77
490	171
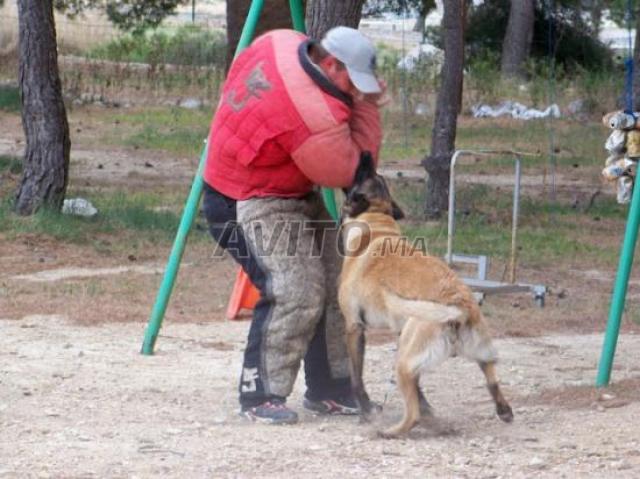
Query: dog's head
369	192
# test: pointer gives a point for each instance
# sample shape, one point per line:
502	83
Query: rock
421	109
78	207
577	108
621	465
607	397
614	403
537	463
190	103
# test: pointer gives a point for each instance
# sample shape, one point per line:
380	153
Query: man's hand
378	99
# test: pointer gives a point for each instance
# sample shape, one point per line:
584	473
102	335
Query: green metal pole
171	271
189	214
620	290
297	15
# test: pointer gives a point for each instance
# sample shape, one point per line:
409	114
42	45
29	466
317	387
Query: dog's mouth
369	193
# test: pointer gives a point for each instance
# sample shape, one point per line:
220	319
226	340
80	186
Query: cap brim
366	82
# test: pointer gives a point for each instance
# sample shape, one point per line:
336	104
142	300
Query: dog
385	283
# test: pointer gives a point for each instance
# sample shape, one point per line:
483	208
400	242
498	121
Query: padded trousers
289	249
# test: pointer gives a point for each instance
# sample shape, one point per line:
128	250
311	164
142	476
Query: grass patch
548	233
10	164
132	218
176	130
576	145
9	98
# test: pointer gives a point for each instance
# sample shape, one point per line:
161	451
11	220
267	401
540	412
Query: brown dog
386	283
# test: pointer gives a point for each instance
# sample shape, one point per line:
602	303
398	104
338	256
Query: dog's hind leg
355	348
425	407
502	406
408	385
421	344
477	345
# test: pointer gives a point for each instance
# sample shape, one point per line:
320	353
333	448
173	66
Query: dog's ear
396	211
366	168
357	203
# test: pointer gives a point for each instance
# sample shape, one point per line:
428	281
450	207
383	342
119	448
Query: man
294	113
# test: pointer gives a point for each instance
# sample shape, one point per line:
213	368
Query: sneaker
270	412
345	406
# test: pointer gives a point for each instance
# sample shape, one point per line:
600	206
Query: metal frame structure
480	282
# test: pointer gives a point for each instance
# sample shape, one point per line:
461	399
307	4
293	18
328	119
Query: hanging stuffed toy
623	146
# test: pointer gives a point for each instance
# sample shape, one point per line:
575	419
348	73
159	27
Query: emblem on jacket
254	83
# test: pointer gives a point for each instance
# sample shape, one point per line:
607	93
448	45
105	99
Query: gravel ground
81	401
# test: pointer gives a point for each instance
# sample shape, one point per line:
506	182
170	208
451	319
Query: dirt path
82	402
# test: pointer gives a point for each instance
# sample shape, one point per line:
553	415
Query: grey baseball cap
357	53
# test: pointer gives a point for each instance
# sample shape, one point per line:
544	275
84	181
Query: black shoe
345	406
270	412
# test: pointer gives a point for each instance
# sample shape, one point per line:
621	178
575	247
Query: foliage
188	45
558	34
378	7
135	16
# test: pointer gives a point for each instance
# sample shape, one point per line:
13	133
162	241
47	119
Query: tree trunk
44	118
275	14
447	109
425	8
323	15
596	17
517	39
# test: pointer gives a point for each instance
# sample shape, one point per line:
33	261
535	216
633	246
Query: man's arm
330	157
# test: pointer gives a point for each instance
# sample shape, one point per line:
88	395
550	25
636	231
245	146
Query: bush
573	44
188	45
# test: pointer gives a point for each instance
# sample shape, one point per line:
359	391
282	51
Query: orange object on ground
244	295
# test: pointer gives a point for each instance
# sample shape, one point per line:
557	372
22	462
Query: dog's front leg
355	347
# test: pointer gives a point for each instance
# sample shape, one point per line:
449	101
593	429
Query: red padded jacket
282	126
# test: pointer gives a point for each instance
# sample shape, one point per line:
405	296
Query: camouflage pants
288	247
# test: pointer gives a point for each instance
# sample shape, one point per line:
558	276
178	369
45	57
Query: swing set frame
193	200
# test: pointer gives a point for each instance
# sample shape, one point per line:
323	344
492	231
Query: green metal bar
620	290
330	203
297	15
190	210
249	26
171	271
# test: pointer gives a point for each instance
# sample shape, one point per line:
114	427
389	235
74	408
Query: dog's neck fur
379	225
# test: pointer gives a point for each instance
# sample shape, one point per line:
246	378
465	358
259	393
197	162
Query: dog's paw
386	434
365	418
426	410
504	412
